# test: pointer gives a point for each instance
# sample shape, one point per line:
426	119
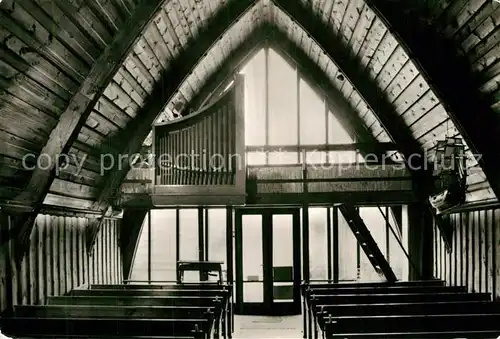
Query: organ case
200	158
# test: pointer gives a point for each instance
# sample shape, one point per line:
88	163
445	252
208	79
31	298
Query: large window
255	100
282	101
159	237
334	252
318	243
160	242
188	235
348	252
216	238
284	109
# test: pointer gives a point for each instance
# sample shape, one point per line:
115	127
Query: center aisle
265	327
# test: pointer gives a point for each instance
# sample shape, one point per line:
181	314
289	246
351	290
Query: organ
200	159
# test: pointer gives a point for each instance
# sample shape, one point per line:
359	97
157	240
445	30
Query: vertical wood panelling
488	239
474	258
33	267
468	249
57	260
482	252
49	282
54	225
42	269
496	253
462	252
62	257
24	277
456	252
5	279
14	273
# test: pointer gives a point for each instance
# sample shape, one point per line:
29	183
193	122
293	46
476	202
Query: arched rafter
459	95
335	48
75	115
450	76
163	90
384	111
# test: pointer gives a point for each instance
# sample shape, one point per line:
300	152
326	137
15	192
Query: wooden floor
267	327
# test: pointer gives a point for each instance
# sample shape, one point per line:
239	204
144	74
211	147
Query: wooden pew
336	299
223	314
151	292
143	312
382	299
106	327
387	289
229	318
453	307
184	286
373	298
137	301
218	305
382	326
168	304
329	285
307	287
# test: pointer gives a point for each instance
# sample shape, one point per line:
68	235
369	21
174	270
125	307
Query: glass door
267	262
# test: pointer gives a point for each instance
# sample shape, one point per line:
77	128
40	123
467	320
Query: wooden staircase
366	241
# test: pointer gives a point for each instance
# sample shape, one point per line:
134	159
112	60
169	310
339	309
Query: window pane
312	116
336	132
283	158
255	100
256	158
139	270
375	222
217	237
316	157
163	265
345	157
253	274
282	101
347	251
397	257
188	238
282	258
282	240
252	247
318	250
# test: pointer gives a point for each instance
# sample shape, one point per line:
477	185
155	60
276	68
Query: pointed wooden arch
75	115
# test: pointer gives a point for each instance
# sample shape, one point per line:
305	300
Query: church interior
239	169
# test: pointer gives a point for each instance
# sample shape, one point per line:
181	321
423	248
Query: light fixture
450	174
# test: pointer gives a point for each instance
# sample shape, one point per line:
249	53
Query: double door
267	253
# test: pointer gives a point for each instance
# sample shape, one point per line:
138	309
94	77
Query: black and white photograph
249	169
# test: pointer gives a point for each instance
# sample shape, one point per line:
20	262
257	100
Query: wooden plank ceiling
49	47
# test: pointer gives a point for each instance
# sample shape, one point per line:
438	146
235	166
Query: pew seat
409	323
94	311
451	307
105	327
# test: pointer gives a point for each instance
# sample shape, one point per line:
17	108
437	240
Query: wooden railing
356	183
348	183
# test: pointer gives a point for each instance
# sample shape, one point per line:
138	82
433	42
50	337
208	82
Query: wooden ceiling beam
76	113
451	78
170	81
